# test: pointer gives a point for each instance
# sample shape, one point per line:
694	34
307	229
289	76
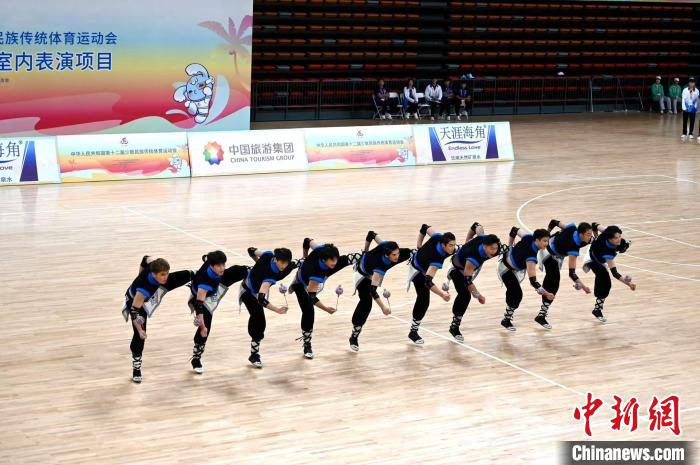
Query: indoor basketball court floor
70	251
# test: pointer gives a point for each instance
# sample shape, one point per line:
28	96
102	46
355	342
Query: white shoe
432	118
415	115
683	138
690	136
388	116
448	117
459	118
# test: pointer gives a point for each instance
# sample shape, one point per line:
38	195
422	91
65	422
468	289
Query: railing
303	100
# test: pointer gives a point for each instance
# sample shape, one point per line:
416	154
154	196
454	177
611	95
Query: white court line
522	223
660	261
186	233
661	237
493	357
546	194
681	179
664	221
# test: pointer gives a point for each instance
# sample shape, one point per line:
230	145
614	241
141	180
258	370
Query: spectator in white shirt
410	100
433	95
690	107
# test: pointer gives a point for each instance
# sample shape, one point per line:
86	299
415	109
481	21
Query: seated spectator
448	99
674	94
465	101
410	100
381	98
657	94
433	95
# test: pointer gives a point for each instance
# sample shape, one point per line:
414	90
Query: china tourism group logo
213	153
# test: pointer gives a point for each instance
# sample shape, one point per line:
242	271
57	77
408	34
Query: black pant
688	116
602	281
551	278
198	338
175	279
420	308
136	342
412	107
447	102
307	306
308	313
514	293
434	107
231	275
256	322
459	307
383	105
364	306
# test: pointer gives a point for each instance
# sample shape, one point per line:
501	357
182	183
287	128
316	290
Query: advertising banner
112	157
360	147
28	160
244	152
463	142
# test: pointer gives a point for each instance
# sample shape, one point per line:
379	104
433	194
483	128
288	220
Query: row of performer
520	257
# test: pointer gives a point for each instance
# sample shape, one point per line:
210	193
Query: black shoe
136	376
540	319
354	344
506	323
308	353
197	365
413	336
599	314
455	332
370	236
254	359
251	253
306	245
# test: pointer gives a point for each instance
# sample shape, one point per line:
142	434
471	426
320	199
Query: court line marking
493	357
661	237
680	179
523	205
663	221
660	261
182	231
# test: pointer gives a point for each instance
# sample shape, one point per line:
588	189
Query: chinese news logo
663	413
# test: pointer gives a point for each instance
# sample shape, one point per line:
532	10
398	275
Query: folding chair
377	109
398	113
423	107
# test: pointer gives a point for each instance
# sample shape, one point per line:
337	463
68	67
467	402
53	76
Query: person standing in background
674	94
689	105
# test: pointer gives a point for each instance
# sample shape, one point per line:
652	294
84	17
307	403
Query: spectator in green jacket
674	94
657	94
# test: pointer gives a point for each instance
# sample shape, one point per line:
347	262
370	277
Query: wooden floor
68	253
